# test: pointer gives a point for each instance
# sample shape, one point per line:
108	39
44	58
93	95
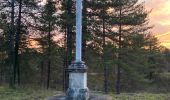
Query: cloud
161	35
160	18
160	29
160	11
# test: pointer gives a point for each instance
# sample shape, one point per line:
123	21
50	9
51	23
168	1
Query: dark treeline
37	44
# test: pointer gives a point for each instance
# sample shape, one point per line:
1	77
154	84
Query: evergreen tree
67	23
48	21
100	29
8	36
130	19
4	52
21	36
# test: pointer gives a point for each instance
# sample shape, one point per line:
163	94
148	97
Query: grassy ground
142	96
41	94
25	94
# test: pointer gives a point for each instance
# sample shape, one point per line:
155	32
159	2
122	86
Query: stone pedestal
93	97
77	82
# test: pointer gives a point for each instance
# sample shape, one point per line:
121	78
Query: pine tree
100	10
67	23
17	42
130	19
48	21
21	36
8	34
12	32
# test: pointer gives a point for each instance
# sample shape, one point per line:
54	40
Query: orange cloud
160	18
161	35
160	11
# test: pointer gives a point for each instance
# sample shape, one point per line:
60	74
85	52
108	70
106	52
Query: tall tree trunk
84	29
49	54
69	42
150	61
119	54
118	79
65	61
48	73
17	41
42	73
11	38
104	56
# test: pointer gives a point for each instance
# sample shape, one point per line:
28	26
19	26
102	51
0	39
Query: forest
37	44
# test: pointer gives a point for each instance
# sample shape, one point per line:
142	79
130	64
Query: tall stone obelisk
78	89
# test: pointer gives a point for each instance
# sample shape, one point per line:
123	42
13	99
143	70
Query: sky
160	18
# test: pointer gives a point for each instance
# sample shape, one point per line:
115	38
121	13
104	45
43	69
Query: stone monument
78	89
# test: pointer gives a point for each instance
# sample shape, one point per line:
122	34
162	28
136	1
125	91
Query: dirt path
100	97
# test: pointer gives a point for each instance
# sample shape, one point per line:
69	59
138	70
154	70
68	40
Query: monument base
77	94
77	82
93	97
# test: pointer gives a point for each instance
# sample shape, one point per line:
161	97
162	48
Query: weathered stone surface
77	82
77	67
77	94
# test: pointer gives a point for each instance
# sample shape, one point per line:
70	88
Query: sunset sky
160	18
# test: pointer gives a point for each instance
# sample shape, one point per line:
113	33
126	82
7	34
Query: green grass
25	94
41	94
142	96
